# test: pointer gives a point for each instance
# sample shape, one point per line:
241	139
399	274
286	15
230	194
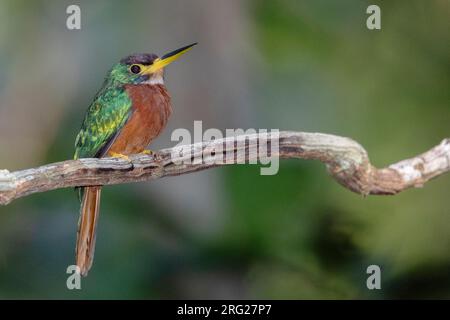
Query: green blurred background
229	232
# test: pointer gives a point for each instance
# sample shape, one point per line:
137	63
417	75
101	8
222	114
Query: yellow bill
166	59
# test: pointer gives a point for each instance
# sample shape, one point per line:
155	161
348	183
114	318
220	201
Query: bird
129	111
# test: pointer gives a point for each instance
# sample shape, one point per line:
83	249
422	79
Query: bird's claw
119	155
147	152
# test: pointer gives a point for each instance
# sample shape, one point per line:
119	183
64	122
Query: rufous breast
151	109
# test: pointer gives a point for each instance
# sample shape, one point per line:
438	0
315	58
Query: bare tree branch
346	160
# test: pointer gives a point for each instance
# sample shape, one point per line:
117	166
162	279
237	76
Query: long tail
87	225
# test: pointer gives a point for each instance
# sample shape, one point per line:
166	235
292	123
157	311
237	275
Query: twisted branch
346	160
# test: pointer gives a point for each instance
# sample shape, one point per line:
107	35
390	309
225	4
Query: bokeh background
229	232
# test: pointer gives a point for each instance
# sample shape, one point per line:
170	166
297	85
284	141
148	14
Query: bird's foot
147	152
119	155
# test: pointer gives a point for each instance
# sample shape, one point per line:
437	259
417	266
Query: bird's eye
135	68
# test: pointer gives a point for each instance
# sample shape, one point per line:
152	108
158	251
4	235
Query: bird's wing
103	121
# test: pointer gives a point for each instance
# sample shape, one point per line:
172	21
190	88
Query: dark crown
140	58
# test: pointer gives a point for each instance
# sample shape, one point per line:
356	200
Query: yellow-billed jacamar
129	111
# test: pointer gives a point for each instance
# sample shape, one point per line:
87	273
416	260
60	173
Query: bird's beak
166	59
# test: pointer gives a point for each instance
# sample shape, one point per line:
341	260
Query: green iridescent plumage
106	115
